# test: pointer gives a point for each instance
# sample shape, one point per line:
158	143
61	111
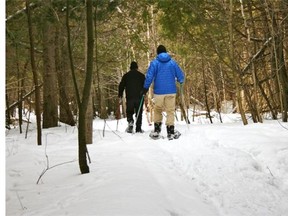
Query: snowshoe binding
129	129
172	133
176	134
157	130
155	135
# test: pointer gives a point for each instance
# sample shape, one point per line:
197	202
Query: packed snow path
142	170
221	169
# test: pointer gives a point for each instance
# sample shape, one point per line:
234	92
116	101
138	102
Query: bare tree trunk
89	121
20	78
87	89
64	78
277	29
281	28
251	98
50	93
235	75
8	118
216	93
222	82
97	79
183	106
250	104
100	89
256	113
269	101
255	76
205	92
35	77
283	79
83	105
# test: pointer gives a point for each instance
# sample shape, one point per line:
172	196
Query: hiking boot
170	131
139	130
130	127
157	127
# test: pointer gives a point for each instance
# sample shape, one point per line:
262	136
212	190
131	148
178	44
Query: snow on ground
212	169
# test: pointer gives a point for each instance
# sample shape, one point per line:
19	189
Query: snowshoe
155	135
170	136
129	129
176	135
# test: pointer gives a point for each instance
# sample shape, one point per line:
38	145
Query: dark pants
131	109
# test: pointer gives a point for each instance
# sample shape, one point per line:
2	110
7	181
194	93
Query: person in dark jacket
132	82
164	72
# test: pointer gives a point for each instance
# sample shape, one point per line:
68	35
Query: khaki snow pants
164	103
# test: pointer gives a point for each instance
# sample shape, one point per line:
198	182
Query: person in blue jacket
164	72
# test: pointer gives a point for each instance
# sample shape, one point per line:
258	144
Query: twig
45	170
282	125
104	127
27	124
270	171
89	159
114	131
47	161
23	207
117	125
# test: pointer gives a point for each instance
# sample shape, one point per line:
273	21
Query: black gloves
143	91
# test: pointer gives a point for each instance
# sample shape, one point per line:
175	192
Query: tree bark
255	105
235	75
8	117
35	77
64	77
50	92
89	121
20	78
275	17
205	92
83	104
84	168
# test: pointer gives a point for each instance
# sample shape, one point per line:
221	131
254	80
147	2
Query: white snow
212	169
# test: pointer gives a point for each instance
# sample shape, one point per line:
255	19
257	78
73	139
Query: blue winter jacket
164	71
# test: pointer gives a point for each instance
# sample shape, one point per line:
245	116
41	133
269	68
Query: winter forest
65	59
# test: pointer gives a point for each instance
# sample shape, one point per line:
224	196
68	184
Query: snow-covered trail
219	169
228	165
129	176
232	164
142	180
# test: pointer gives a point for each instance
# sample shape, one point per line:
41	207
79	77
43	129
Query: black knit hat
133	65
161	49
